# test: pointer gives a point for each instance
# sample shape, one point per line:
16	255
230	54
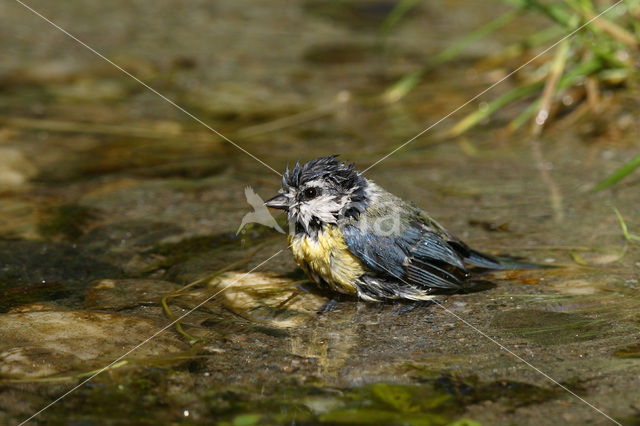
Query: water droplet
567	100
542	116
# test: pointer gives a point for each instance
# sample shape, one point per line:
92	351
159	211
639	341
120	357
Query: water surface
118	214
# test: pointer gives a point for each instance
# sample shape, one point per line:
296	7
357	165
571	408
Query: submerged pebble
42	343
267	298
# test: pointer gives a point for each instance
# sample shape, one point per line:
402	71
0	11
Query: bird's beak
279	202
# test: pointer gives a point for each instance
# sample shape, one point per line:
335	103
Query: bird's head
318	192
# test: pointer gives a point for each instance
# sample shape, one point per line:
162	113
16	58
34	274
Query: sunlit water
118	215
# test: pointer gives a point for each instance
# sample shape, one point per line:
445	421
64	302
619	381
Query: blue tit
351	236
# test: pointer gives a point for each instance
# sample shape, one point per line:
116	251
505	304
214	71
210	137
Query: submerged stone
268	298
34	271
128	235
42	343
28	262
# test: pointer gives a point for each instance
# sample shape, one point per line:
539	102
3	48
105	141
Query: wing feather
426	278
421	254
432	246
451	279
417	256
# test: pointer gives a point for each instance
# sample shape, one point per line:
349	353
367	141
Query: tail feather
482	260
487	261
508	262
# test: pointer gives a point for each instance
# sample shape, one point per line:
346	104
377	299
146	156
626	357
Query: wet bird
350	235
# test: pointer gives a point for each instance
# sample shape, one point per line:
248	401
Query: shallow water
118	214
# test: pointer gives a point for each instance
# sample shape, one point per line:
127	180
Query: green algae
246	419
369	404
471	390
440	401
437	402
629	352
135	397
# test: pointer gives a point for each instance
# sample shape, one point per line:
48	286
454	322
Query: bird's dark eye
310	193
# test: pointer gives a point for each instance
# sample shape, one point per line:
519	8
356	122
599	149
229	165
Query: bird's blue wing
417	256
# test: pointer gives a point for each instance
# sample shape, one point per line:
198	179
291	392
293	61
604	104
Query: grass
599	56
619	174
631	238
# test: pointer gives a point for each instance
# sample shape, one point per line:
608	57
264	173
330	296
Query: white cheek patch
327	208
323	207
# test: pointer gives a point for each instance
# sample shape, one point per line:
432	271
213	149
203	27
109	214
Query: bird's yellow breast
327	257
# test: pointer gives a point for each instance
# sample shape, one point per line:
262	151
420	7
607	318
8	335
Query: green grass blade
623	224
636	28
524	116
399	11
584	69
403	86
625	230
557	12
477	116
604	25
619	174
456	48
514	50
